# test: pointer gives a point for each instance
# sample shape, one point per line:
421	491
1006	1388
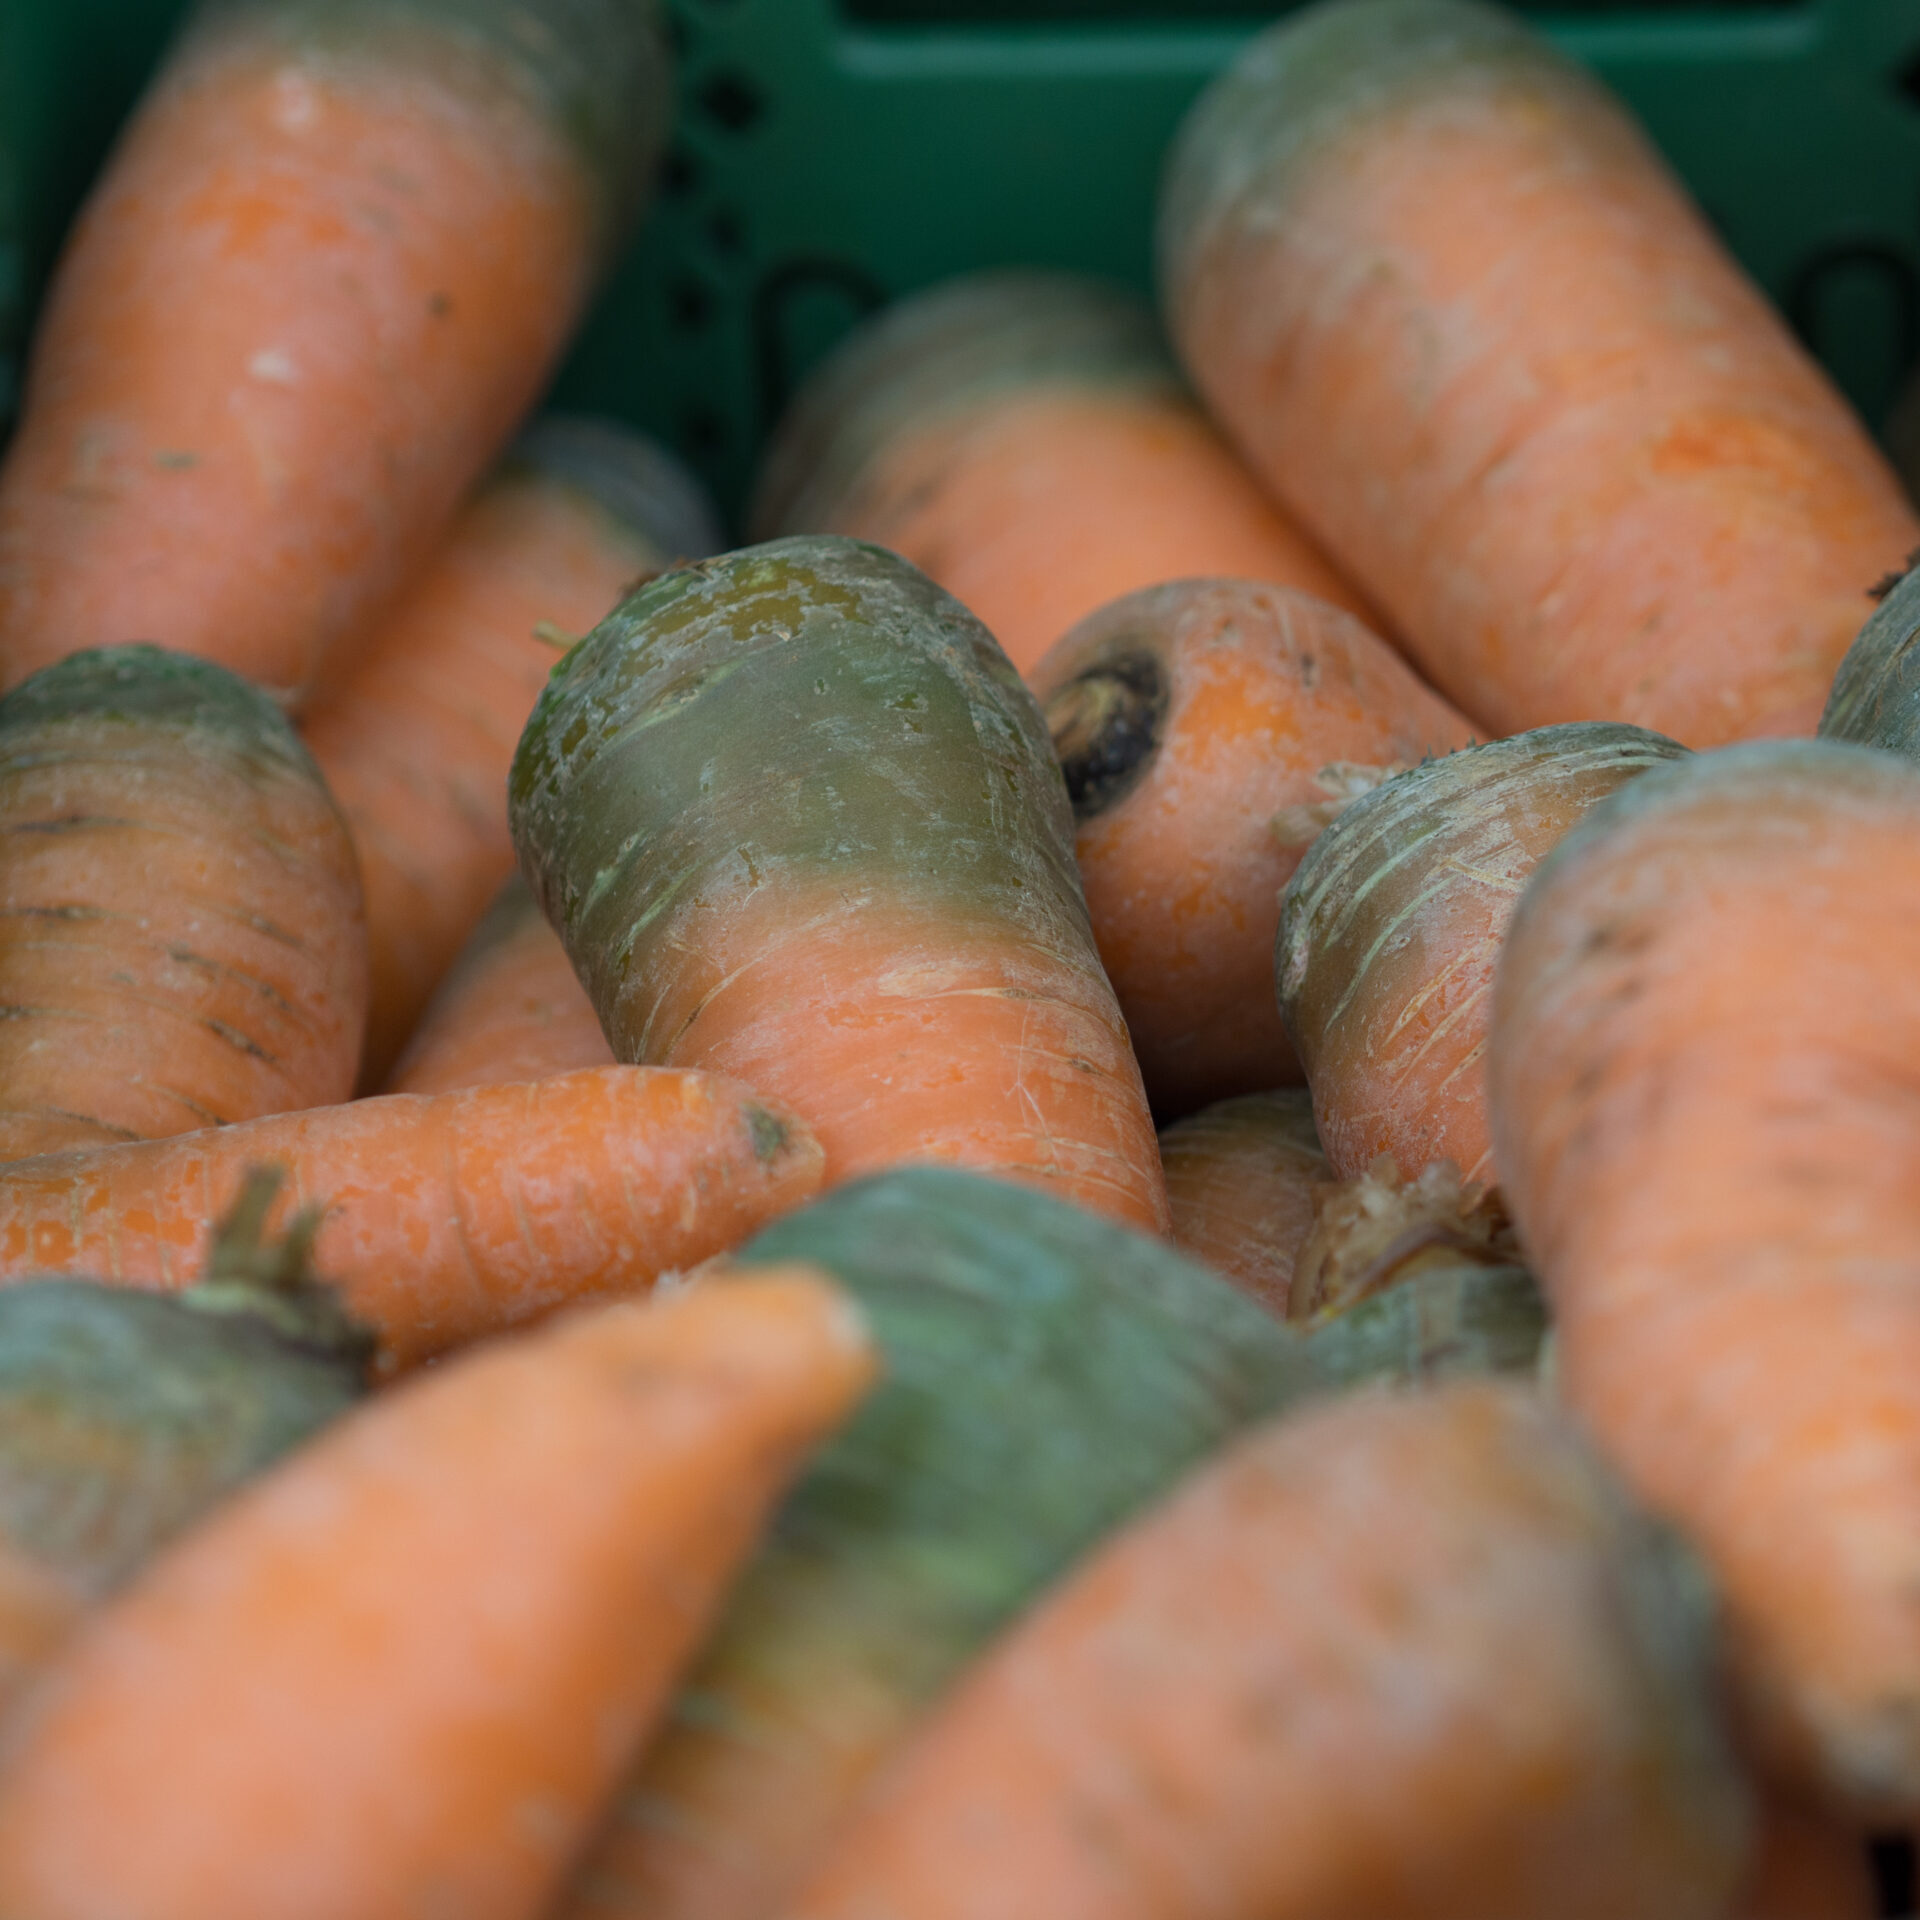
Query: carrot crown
1876	693
625	474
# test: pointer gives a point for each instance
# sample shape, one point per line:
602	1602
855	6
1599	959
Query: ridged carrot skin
181	938
1701	1062
399	1675
1876	692
1024	438
417	740
1392	925
1208	729
388	217
449	1216
1404	1654
798	820
511	1008
1407	239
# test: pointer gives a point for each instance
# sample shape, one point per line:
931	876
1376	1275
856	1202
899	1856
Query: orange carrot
1704	1045
798	820
1024	439
511	1009
1208	730
181	941
417	741
398	1676
1393	923
1400	1655
1808	1867
331	262
1464	323
448	1215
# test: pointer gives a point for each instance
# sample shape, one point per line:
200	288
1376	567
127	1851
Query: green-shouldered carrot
448	1216
1208	730
798	820
1703	1054
181	939
1024	438
1445	295
416	741
1875	698
399	1675
330	263
511	1008
1393	922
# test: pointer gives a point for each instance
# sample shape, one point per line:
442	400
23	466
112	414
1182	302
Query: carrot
1876	692
450	1215
399	1675
124	1416
1399	1655
512	1008
797	820
1704	1041
331	262
1392	925
417	740
1807	1867
1465	324
1208	730
181	942
1024	438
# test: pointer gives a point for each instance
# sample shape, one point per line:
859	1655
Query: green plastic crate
830	154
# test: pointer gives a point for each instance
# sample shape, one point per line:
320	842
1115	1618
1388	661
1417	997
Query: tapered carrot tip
1701	1059
397	1676
1392	924
1409	238
1876	693
1024	438
1398	1655
1207	730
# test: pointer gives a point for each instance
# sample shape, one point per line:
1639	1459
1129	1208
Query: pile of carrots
1166	1169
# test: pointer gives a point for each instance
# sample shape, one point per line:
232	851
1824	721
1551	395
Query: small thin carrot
449	1215
1024	438
330	264
416	741
398	1675
1208	730
1400	1655
797	819
511	1008
181	939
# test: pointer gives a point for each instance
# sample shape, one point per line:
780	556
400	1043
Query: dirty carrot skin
1208	730
181	940
512	1008
1044	1373
1700	1069
1875	699
417	740
386	218
1392	925
399	1675
797	820
448	1216
1409	236
1398	1655
1024	438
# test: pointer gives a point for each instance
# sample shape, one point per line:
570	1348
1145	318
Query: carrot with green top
1401	1655
1701	1065
329	266
1024	438
1392	925
181	938
797	820
416	741
1209	729
511	1008
447	1216
399	1675
1460	317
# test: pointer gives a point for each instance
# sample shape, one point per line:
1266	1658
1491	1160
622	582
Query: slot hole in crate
1907	80
732	101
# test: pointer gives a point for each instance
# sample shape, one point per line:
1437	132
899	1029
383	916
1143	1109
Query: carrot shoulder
399	1674
798	820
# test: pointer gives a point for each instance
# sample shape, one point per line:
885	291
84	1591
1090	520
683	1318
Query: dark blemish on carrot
1107	724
